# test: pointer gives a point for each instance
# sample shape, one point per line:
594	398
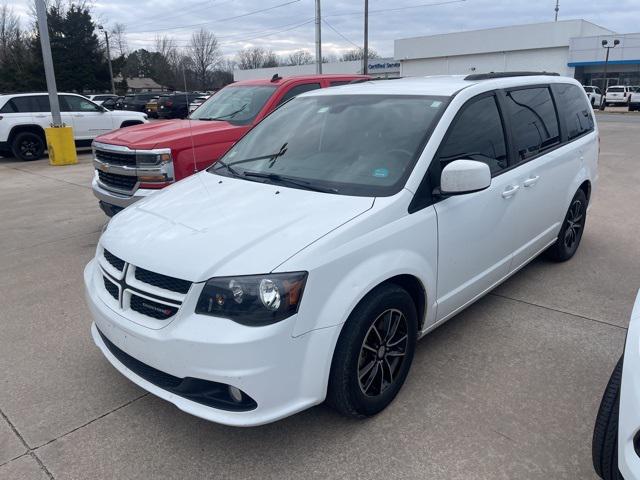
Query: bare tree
357	54
9	31
256	57
205	53
119	40
300	57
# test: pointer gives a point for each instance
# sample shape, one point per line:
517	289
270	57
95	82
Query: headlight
253	300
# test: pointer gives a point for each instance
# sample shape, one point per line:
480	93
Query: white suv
23	118
617	95
594	94
305	264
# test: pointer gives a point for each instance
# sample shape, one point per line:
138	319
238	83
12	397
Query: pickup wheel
374	353
571	231
28	146
604	447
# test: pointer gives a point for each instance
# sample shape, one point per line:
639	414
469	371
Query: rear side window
534	123
477	134
574	110
20	105
297	90
335	83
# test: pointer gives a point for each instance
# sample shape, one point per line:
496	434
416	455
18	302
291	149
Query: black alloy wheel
28	146
571	230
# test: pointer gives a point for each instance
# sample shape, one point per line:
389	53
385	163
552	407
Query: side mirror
464	176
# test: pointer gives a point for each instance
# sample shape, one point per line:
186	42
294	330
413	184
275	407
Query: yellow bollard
61	146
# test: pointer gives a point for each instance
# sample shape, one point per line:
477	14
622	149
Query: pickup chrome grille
120	182
150	295
116	158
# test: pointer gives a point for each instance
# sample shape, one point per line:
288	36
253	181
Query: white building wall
541	59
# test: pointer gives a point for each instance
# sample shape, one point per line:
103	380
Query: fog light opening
235	394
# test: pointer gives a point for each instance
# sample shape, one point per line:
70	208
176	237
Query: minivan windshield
363	145
238	105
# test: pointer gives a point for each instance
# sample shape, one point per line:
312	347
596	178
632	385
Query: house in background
141	84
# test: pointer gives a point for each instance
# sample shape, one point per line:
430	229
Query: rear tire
374	353
604	448
28	146
571	231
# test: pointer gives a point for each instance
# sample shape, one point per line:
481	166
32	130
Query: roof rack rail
490	75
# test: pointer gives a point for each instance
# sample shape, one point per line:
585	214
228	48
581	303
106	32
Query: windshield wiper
231	170
271	156
229	115
284	179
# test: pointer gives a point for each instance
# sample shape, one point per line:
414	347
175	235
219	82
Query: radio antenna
186	96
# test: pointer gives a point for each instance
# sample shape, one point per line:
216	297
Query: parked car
137	102
190	146
594	94
616	437
617	95
99	99
175	105
305	263
152	107
23	118
196	103
634	100
113	103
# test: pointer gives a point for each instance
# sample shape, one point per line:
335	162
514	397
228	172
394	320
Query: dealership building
570	47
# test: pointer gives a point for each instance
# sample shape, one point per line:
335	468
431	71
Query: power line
218	19
383	10
153	18
341	35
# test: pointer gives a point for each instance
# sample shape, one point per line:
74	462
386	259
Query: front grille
115	262
116	158
111	287
121	182
205	392
151	309
162	281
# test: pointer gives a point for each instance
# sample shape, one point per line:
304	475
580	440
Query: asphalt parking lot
507	389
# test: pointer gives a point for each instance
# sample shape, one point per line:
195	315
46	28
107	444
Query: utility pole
557	9
106	37
318	40
605	44
365	50
41	11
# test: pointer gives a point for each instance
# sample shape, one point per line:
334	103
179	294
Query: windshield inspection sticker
381	173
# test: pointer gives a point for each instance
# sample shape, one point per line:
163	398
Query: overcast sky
288	25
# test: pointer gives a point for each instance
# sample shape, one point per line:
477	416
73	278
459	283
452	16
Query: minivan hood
209	225
164	133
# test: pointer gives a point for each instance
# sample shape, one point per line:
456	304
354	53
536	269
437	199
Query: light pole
605	44
365	50
318	40
106	37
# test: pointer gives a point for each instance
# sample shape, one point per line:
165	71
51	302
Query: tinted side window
574	110
20	105
534	122
42	103
335	83
297	90
477	134
77	104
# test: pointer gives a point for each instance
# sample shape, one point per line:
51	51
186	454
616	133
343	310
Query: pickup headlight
253	300
152	158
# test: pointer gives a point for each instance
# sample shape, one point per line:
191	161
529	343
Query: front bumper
117	199
629	420
282	374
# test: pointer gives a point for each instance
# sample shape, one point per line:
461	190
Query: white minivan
305	264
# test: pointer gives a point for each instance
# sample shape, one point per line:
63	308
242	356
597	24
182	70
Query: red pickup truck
136	161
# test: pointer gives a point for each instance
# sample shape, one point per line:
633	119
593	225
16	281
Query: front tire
28	146
571	231
604	449
374	353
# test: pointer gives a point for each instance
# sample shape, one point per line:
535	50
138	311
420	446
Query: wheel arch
130	123
37	129
586	188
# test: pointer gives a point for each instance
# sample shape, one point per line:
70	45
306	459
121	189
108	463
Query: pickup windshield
238	105
363	145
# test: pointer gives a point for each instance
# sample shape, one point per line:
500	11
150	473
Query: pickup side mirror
464	176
